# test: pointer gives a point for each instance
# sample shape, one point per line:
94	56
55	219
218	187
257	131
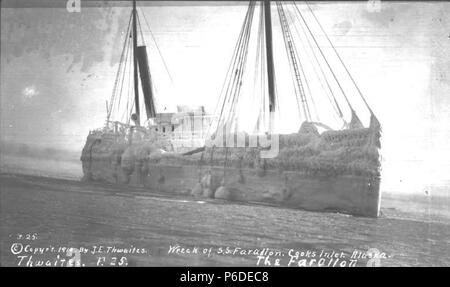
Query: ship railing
116	127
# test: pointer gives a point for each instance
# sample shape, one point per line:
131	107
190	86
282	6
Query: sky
58	70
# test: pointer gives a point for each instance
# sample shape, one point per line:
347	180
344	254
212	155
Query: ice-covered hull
332	172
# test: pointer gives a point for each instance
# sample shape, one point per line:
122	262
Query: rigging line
239	71
308	89
333	102
142	107
123	76
231	65
243	62
227	75
131	111
261	57
131	90
235	93
118	72
291	67
131	87
126	114
292	55
292	77
226	96
236	59
340	59
313	102
155	100
261	113
260	71
231	80
276	92
140	28
302	72
257	68
156	44
263	73
232	70
126	44
257	58
276	112
128	48
244	48
321	52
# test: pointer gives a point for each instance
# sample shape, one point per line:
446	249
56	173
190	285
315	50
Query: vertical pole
269	55
136	83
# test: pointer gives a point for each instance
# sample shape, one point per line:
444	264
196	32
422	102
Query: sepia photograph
224	134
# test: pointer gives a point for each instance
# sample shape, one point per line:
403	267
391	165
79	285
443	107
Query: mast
269	58
135	67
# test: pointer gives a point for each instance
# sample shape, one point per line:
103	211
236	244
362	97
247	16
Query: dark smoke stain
52	32
387	14
123	18
343	27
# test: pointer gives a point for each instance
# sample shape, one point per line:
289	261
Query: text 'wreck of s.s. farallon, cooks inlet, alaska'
195	154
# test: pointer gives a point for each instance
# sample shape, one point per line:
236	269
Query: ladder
293	57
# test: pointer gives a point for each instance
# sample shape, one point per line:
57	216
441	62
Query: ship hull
354	195
349	194
337	171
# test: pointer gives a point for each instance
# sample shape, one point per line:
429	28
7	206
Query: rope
340	59
261	53
140	28
130	91
332	100
257	57
263	75
298	86
241	70
291	68
156	44
232	67
123	74
321	52
233	79
242	61
116	82
243	44
229	75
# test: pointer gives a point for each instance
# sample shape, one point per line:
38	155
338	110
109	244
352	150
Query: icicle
355	122
374	123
